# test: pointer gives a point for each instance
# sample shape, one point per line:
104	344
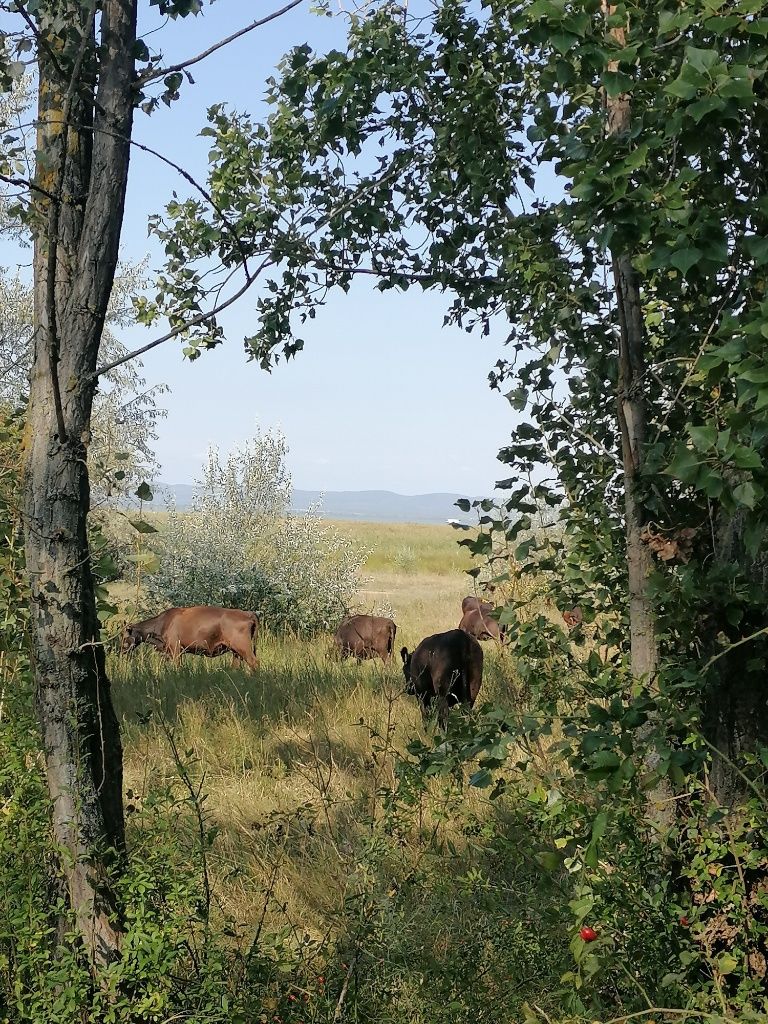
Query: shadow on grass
293	679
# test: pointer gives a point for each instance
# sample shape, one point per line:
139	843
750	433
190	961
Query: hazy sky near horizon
382	397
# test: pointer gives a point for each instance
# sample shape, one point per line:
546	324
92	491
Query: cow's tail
254	626
391	641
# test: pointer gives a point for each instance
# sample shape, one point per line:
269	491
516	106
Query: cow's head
130	640
573	617
409	687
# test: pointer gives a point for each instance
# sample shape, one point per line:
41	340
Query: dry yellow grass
302	733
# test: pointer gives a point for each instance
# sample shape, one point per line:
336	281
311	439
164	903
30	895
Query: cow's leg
425	700
442	710
245	653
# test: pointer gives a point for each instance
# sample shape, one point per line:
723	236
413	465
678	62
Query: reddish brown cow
477	620
447	667
366	636
199	630
470	604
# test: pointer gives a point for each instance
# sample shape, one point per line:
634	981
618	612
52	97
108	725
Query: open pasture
298	762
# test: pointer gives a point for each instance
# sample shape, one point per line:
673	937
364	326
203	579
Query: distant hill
368	506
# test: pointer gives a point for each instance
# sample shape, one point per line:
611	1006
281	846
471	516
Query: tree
86	54
125	408
242	546
417	158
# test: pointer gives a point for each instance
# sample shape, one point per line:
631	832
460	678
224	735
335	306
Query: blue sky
382	397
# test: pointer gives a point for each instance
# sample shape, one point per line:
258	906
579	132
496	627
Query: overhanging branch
157	73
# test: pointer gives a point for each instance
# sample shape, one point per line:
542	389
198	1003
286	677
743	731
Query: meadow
286	790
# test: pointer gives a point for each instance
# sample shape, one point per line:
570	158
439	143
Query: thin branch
153	76
26	183
187	177
194	322
730	647
695	361
41	40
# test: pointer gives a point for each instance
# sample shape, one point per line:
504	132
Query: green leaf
684	259
684	466
746	458
144	492
605	759
599	826
703	437
744	494
481	779
616	83
757	247
142	526
147	560
727	963
702	60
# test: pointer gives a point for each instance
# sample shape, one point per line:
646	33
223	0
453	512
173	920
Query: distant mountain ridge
366	506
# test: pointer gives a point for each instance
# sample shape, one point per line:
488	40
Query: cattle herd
444	669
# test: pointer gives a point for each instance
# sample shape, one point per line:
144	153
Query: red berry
684	921
588	934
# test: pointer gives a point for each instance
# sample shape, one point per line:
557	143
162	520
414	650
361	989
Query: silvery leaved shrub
240	546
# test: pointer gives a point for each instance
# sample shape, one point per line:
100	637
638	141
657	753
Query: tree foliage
125	410
470	152
240	546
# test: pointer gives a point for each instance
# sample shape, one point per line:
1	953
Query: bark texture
632	414
85	139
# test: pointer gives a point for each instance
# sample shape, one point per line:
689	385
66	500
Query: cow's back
208	626
449	663
366	635
480	624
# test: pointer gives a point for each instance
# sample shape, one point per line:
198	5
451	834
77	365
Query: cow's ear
404	654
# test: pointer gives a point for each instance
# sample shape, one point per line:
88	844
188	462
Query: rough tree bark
632	413
84	138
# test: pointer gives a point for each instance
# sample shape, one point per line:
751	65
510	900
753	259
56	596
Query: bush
240	546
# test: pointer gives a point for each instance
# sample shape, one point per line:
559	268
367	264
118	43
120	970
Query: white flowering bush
239	546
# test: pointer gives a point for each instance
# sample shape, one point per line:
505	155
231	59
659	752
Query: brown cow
199	630
446	666
477	620
366	636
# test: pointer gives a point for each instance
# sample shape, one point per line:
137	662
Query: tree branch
194	322
154	75
26	183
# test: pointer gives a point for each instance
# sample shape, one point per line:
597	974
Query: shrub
240	546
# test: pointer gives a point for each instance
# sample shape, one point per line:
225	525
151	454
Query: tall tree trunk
632	414
76	248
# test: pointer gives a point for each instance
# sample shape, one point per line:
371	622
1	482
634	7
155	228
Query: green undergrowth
347	895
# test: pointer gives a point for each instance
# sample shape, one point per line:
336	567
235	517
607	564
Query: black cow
446	667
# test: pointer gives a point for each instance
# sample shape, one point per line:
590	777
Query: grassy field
433	901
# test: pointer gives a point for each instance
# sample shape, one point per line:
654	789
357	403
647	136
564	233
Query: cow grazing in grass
366	636
477	620
200	630
446	668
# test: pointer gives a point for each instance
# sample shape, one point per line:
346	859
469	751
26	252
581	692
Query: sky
382	397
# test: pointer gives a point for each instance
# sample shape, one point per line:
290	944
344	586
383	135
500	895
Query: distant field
409	548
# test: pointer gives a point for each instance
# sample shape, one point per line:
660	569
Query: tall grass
427	912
